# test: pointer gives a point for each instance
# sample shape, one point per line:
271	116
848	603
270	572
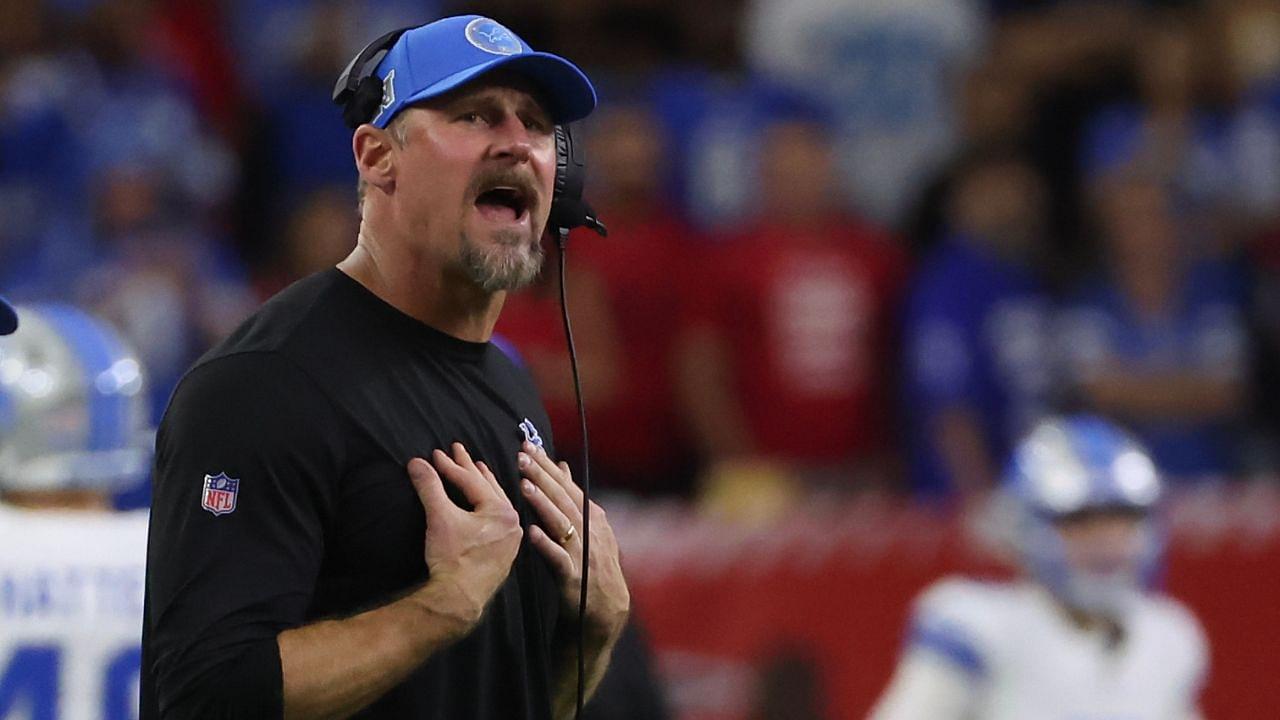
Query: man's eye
471	117
536	125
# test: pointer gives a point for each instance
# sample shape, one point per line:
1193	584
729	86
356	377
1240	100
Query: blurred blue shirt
1202	333
975	332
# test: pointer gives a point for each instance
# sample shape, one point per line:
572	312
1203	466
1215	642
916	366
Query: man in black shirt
293	498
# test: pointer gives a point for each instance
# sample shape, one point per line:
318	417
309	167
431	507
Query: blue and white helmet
73	411
1067	466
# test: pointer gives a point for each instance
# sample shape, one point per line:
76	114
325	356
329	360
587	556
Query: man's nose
514	140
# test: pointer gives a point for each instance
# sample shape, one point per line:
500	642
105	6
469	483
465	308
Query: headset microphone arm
590	220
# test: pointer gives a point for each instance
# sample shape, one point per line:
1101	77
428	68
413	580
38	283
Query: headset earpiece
358	90
569	179
568	209
363	103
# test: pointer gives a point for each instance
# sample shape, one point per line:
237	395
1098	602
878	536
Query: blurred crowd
855	245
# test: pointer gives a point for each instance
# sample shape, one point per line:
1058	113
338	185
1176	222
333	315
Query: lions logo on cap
491	37
388	93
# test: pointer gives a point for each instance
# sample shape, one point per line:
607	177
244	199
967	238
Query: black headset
359	93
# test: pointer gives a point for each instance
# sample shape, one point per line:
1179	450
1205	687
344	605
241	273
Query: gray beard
507	264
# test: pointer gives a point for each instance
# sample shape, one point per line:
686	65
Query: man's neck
423	290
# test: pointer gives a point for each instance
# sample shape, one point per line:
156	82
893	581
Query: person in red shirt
623	297
783	357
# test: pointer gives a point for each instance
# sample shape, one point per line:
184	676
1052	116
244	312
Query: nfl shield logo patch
220	493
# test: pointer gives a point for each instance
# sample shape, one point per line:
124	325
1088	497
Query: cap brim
8	318
567	87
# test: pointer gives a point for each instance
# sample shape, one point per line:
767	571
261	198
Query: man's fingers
469	480
548	485
428	486
558	472
571	487
560	560
487	474
461	456
550	516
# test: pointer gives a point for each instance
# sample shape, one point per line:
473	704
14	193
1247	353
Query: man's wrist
445	605
601	634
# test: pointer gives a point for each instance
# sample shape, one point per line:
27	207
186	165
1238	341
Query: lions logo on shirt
531	433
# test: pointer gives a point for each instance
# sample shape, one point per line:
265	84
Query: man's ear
375	160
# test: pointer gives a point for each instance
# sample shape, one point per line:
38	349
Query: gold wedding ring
568	534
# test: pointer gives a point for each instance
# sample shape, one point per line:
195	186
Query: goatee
509	262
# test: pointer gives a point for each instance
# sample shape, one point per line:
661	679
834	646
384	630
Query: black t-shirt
301	424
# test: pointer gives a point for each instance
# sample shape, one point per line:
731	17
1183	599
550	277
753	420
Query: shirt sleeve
954	621
925	687
228	569
946	659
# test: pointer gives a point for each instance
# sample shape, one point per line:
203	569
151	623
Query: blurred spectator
116	181
291	53
318	234
636	443
889	68
271	36
44	233
1248	30
75	115
135	110
1173	128
995	111
309	144
1157	338
976	329
710	121
170	288
195	39
782	361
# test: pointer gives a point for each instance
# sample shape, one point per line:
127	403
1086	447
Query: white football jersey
71	591
1008	651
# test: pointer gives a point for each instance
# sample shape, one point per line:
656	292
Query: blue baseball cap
435	58
8	318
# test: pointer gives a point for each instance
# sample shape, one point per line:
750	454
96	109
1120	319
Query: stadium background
857	245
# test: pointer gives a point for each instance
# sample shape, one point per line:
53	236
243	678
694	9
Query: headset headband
362	65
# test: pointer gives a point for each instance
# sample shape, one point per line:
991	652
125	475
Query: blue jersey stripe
951	646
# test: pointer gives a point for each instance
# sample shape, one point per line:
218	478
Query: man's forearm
598	654
333	668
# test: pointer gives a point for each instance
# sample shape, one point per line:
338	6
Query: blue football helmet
1070	466
73	409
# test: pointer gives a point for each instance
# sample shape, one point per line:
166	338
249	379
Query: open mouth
503	203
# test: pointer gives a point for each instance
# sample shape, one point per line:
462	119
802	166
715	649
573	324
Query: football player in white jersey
73	430
1082	636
